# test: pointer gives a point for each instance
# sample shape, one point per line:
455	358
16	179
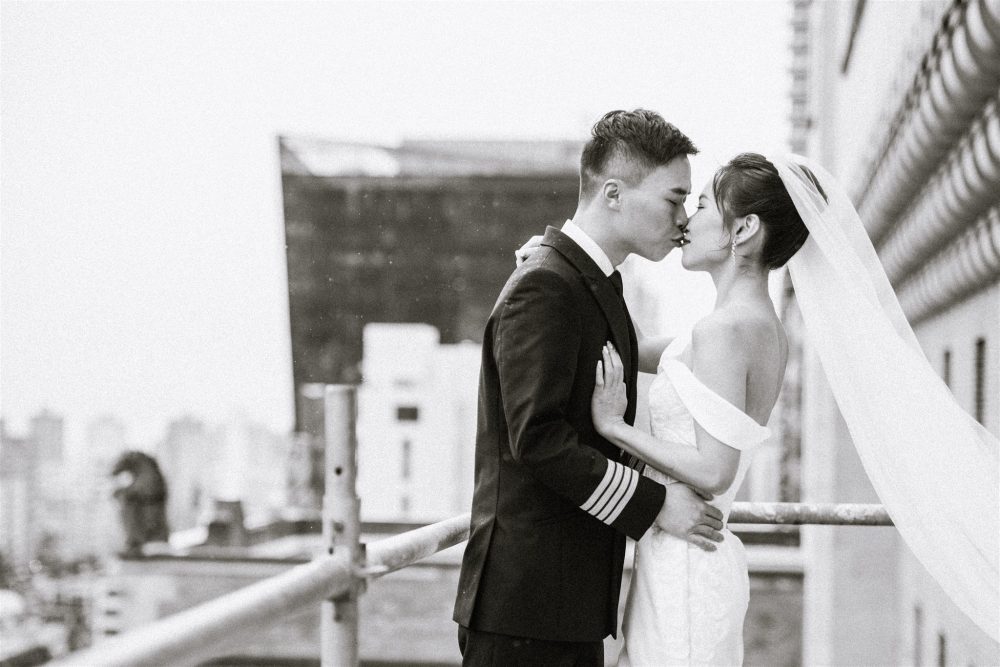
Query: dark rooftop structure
420	232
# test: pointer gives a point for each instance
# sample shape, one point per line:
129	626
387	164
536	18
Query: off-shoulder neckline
715	414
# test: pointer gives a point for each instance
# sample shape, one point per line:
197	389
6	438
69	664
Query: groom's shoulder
545	264
546	274
549	259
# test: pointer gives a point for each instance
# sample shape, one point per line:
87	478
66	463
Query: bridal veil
933	466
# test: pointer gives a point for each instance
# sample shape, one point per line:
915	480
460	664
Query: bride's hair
749	183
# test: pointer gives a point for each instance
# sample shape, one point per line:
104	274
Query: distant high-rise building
302	463
95	529
106	441
18	490
47	434
240	460
416	424
423	232
53	483
184	456
252	468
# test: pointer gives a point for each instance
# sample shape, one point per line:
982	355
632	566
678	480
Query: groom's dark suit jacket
553	500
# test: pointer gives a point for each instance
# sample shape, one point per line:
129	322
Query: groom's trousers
488	649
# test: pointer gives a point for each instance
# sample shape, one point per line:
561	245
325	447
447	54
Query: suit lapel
599	285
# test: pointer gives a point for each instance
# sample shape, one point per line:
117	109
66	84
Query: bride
713	394
932	465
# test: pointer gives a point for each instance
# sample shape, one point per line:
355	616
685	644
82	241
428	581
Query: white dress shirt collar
589	246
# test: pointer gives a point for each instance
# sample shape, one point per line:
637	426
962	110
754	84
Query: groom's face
653	210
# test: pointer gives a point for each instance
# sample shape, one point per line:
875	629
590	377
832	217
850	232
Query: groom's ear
611	192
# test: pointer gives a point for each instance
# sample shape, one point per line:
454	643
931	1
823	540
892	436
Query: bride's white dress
686	606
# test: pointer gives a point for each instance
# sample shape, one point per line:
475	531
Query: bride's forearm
681	462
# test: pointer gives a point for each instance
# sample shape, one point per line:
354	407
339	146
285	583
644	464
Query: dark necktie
616	282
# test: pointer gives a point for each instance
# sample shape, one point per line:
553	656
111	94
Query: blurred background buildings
417	416
419	233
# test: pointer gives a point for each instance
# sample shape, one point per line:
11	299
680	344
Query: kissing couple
562	477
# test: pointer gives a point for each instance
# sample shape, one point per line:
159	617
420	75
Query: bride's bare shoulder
719	334
734	333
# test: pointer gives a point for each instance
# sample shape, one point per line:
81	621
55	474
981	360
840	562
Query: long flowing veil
933	466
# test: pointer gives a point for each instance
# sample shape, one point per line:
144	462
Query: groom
553	501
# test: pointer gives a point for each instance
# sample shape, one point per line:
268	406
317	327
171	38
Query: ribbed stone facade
931	200
904	107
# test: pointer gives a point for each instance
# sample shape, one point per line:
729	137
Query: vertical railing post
341	525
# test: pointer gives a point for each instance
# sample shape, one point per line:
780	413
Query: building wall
943	634
863	588
852	108
850	589
416	424
956	331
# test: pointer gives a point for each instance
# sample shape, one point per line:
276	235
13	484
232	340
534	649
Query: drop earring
732	249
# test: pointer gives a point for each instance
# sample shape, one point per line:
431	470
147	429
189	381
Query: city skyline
143	268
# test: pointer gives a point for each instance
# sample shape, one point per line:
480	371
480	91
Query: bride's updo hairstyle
749	183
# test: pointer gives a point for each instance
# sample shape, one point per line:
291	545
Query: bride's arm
719	365
650	350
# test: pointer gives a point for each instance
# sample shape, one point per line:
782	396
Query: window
918	636
946	368
407	454
980	394
407	413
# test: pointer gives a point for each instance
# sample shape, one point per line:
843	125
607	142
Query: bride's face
709	241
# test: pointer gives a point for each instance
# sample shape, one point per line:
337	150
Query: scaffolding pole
341	525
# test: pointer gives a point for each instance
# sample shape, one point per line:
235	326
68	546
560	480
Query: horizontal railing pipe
204	631
830	514
405	549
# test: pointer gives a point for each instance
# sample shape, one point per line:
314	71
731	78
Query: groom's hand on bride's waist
686	515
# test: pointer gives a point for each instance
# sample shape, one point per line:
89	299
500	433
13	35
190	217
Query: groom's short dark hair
633	143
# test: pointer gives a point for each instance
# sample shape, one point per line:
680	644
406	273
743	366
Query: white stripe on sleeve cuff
613	493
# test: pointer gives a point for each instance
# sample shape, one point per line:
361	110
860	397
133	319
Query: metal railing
336	579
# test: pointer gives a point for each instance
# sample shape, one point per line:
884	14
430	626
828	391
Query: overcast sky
143	264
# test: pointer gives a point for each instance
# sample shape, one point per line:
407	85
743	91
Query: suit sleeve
536	348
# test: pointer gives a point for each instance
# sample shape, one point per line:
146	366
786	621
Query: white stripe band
613	493
616	496
626	496
609	491
601	488
608	498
